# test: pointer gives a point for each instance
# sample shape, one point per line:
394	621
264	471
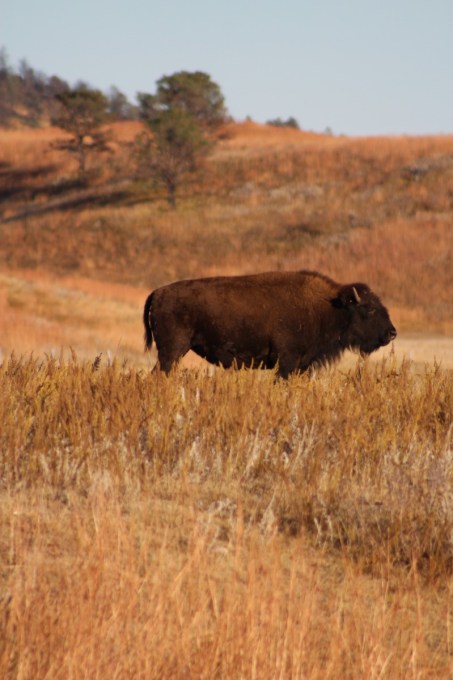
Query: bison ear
348	296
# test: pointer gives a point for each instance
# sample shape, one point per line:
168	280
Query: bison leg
165	364
169	353
167	359
289	363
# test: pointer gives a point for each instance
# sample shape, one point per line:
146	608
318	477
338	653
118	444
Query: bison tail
147	322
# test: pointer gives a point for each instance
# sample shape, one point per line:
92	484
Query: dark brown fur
292	320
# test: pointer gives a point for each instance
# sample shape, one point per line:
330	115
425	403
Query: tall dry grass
225	526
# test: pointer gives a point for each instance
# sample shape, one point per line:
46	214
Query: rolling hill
77	262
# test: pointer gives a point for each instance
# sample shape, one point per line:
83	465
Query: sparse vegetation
29	97
172	151
26	95
186	108
82	114
290	122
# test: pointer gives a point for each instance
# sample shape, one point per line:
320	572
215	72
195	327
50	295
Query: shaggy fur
292	320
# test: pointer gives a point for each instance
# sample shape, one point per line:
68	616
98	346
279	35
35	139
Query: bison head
368	323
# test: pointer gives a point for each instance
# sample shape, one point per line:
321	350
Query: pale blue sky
357	66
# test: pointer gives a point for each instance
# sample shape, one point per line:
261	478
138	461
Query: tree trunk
171	193
82	159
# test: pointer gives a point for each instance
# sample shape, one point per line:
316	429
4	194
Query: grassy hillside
223	525
372	209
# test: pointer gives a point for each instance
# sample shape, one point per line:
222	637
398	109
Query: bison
288	320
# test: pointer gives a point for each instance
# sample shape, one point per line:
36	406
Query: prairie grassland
226	526
42	314
377	209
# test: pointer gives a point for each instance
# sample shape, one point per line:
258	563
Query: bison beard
292	320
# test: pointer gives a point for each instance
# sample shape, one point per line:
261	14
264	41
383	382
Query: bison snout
389	336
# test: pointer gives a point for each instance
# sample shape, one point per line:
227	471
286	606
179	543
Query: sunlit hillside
223	524
376	209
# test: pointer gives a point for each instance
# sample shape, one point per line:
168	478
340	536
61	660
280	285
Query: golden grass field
221	524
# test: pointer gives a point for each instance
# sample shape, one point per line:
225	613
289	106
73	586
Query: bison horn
356	295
